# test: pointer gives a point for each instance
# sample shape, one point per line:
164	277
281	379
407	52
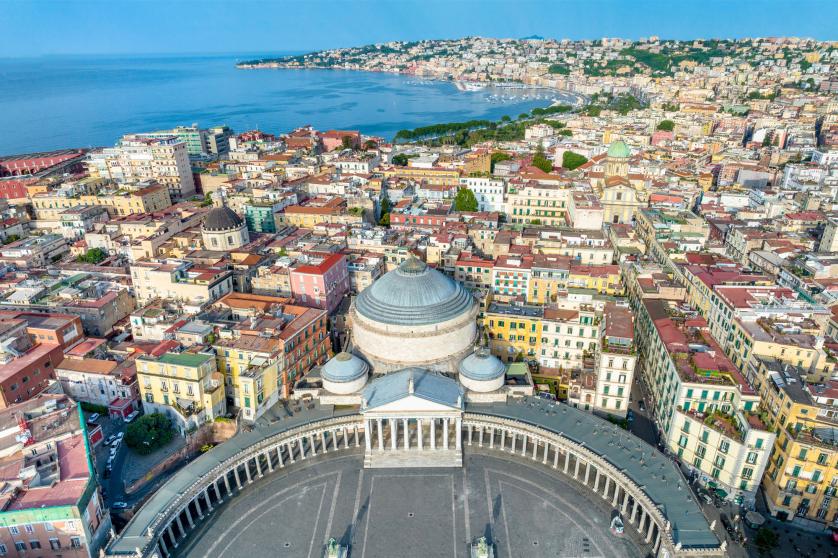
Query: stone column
313	448
279	456
171	535
189	517
227	484
576	470
650	530
445	423
301	442
394	433
258	467
433	433
406	434
523	445
634	512
534	448
163	549
180	525
379	425
197	501
587	473
325	447
566	461
290	446
480	439
514	442
247	472
616	497
624	506
367	441
469	433
492	437
607	487
458	433
207	499
556	458
356	435
419	433
217	491
546	450
642	519
238	479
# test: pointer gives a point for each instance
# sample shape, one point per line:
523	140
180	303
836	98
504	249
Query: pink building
321	282
333	139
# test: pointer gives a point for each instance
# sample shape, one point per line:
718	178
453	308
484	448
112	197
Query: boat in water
470	86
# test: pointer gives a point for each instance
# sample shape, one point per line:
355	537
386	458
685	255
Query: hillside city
661	252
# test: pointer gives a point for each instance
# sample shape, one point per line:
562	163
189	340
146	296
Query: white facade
614	380
488	191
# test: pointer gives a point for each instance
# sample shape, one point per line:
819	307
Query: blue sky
39	27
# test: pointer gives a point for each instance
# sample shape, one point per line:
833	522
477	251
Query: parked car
119	505
117	439
131	417
93	418
641	405
109	440
630	415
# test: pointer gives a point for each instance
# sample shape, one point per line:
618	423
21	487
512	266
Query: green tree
347	142
666	125
11	238
207	201
499	156
541	161
149	433
384	220
370	144
766	539
92	256
523	116
505	118
400	160
560	69
571	160
465	200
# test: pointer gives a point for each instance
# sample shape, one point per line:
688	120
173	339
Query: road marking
453	516
357	506
465	504
332	509
317	520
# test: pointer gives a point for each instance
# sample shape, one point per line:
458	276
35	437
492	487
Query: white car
131	417
93	418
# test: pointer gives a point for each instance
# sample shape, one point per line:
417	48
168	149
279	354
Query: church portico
414	419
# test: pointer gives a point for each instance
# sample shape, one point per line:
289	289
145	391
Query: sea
61	102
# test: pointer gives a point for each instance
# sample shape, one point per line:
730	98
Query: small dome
222	219
414	294
619	150
482	366
344	367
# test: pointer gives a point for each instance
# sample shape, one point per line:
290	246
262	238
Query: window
35	545
29	528
3	550
724	446
752	457
75	542
14	530
20	545
55	544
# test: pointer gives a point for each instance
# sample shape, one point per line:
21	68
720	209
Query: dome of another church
619	149
344	373
221	219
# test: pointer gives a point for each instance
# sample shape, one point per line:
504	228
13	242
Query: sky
50	27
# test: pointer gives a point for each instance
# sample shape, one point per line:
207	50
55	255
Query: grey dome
481	365
344	367
414	294
222	219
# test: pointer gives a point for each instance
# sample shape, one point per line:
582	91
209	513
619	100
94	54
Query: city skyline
40	28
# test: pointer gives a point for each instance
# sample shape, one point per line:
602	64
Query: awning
712	484
722	493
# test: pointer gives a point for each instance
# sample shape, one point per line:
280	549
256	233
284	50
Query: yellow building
49	207
604	279
802	476
514	331
185	386
549	275
435	176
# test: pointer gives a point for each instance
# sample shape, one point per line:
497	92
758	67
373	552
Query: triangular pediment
411	404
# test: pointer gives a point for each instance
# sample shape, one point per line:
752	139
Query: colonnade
420	433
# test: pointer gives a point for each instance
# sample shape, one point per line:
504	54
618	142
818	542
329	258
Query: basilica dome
482	372
619	149
414	294
414	316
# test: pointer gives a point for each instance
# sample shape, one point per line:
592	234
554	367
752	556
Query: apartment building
549	276
185	386
532	203
179	280
320	279
568	337
703	406
616	359
488	191
801	481
515	330
261	354
474	272
97	381
52	505
511	276
147	198
137	158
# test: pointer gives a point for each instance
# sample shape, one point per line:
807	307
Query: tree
370	144
11	238
347	142
207	201
384	221
465	200
400	160
765	539
505	118
571	160
541	161
560	69
523	116
499	156
666	125
149	433
92	256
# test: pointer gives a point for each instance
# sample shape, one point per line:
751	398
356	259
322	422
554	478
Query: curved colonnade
173	523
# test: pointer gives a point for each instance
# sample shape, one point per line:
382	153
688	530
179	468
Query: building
148	198
186	386
98	382
704	407
616	356
800	481
320	280
52	504
137	158
511	276
35	251
179	280
414	315
265	345
223	230
515	330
